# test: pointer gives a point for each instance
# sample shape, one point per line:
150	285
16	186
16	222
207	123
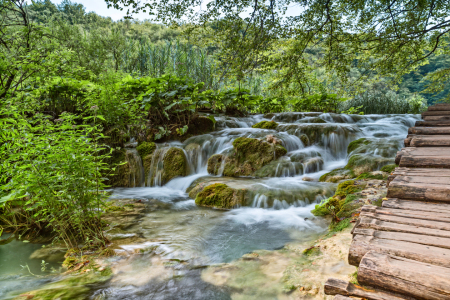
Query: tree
392	37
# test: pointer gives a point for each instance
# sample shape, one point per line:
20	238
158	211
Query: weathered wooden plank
432	123
344	288
430	141
406	237
423	179
373	223
340	297
436	113
408	221
424	161
436	118
418	191
422	151
440	106
429	130
421	172
362	244
407	213
415	205
405	276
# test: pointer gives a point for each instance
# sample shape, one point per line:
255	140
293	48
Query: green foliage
51	171
345	188
318	102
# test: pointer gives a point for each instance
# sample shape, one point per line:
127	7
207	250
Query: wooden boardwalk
402	249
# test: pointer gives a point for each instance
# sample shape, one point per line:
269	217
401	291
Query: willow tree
387	36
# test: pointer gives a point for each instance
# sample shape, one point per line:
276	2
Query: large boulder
248	156
175	164
220	195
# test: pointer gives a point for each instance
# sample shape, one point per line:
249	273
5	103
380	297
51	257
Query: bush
51	176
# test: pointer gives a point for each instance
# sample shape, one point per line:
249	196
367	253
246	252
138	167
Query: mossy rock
362	163
337	175
373	175
146	148
120	170
175	164
249	156
389	168
147	163
266	125
200	125
219	195
345	188
356	144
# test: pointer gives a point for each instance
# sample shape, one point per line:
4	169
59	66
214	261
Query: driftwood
406	237
365	222
340	287
415	205
362	244
405	276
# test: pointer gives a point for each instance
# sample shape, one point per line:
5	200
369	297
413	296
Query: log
432	123
418	191
344	288
436	118
415	205
362	244
407	213
429	130
406	237
436	113
424	161
408	221
340	297
405	276
372	223
429	141
407	141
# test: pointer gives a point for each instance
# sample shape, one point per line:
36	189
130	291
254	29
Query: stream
179	240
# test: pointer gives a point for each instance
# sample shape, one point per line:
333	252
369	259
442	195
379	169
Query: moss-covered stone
362	163
345	188
356	144
220	195
266	125
337	175
175	164
200	125
389	168
146	148
249	155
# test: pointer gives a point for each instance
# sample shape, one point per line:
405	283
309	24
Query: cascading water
280	198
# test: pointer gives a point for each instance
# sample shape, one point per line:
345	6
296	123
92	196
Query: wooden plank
424	161
407	213
406	237
419	192
422	151
436	113
344	288
408	221
340	297
429	130
441	106
405	276
436	118
423	179
430	141
432	123
415	205
421	172
362	244
373	223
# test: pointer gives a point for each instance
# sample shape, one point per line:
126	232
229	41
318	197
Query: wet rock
167	164
49	254
266	125
200	125
249	155
220	195
308	179
337	175
146	148
273	140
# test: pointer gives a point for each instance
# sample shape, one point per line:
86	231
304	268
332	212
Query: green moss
362	163
337	175
369	175
70	262
389	168
339	226
146	148
356	144
345	188
354	277
219	195
312	251
321	209
106	272
114	208
266	125
175	164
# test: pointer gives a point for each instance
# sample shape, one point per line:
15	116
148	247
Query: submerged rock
249	155
219	195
